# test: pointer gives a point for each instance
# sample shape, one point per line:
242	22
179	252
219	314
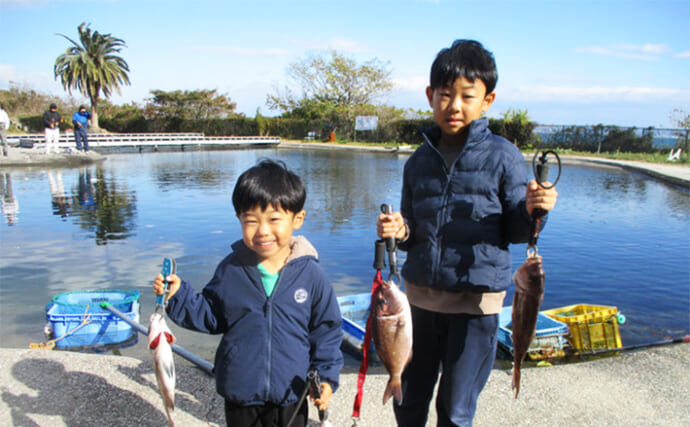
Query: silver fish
392	333
529	292
160	342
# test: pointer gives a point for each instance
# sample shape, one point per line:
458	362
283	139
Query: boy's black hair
465	58
269	182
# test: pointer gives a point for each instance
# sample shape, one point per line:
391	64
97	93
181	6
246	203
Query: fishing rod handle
169	267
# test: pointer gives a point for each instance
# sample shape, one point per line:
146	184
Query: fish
160	345
529	293
392	334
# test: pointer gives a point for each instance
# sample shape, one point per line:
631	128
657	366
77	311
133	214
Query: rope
50	344
361	376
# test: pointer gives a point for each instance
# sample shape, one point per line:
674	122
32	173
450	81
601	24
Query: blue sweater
462	218
269	343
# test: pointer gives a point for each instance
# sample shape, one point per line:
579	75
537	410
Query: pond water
615	238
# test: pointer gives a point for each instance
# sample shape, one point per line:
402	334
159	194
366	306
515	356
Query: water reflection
8	203
99	204
106	207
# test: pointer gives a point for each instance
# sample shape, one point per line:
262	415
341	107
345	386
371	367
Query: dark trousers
268	415
463	348
80	137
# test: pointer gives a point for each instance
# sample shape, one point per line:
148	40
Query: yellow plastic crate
592	327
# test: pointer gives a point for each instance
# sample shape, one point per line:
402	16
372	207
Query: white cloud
593	94
335	43
414	83
645	52
683	55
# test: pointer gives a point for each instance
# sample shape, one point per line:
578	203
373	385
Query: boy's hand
540	198
173	284
325	399
391	225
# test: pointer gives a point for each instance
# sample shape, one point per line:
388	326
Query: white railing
147	139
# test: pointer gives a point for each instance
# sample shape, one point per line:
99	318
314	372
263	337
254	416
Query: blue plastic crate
78	318
550	340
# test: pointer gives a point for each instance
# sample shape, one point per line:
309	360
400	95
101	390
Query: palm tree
92	66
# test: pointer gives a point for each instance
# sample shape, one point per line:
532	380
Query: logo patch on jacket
301	295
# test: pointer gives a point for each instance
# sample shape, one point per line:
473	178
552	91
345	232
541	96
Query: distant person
271	302
51	123
4	125
81	121
465	198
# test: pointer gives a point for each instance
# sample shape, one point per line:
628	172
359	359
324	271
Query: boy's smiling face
268	233
456	106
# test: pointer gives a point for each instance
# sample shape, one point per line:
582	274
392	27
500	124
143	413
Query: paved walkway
56	388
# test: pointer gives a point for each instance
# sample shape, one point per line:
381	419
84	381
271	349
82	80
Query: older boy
271	301
465	197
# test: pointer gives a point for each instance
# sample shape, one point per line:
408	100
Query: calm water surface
615	238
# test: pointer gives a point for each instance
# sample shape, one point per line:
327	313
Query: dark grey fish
529	292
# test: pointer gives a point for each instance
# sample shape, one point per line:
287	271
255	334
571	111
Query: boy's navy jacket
462	218
269	343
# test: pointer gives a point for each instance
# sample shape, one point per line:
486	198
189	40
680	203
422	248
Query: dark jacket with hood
269	343
463	217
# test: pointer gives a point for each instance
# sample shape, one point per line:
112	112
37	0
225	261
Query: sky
611	62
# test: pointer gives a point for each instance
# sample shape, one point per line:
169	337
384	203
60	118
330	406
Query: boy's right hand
173	284
391	225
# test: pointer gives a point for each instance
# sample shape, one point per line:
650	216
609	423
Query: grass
659	157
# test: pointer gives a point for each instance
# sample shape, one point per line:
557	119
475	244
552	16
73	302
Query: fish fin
516	381
169	337
154	342
393	389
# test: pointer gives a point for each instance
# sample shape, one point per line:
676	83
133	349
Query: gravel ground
57	388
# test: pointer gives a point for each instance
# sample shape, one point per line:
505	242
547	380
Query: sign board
366	122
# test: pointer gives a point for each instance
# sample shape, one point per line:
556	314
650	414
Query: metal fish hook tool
391	247
540	168
169	267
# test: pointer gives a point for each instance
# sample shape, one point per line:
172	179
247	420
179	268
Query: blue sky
624	63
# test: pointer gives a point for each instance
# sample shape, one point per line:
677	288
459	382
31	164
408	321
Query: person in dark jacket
272	303
81	120
51	124
465	198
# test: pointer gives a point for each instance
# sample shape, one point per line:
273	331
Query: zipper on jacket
269	332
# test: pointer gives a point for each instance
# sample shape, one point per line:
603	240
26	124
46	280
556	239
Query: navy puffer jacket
269	343
462	218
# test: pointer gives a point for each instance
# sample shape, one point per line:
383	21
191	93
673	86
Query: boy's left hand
325	399
540	198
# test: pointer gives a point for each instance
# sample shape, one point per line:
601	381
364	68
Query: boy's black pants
268	415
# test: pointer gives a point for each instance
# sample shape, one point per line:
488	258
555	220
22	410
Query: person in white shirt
4	125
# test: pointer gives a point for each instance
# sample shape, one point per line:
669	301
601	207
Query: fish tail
393	389
516	380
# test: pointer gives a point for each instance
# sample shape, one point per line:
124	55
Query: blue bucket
78	318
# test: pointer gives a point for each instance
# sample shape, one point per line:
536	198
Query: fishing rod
205	365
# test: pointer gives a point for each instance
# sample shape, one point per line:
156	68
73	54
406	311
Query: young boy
465	197
271	301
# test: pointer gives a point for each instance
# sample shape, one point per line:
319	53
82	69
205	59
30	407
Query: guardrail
97	140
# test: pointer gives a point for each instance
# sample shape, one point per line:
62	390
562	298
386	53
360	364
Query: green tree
333	79
92	66
189	105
